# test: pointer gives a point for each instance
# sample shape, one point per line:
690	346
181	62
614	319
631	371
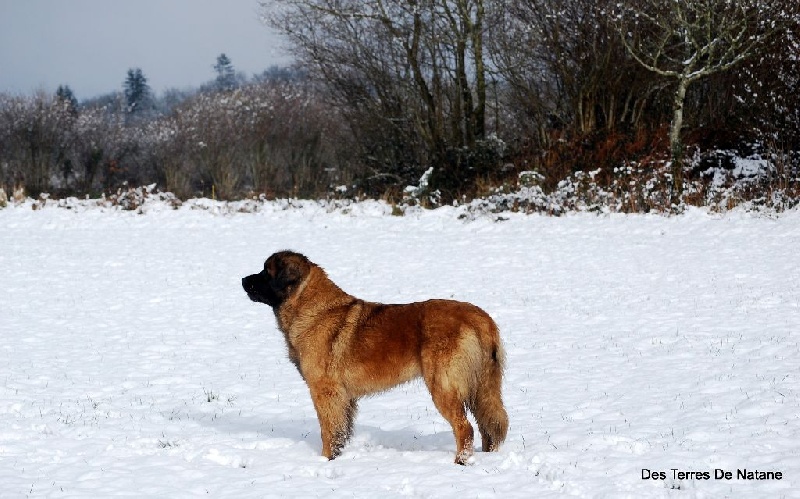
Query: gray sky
90	44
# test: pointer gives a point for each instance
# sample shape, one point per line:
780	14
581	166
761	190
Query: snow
748	167
132	363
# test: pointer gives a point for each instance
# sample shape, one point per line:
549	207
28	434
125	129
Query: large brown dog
346	348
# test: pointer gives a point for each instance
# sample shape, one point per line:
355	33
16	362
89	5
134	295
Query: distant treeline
479	90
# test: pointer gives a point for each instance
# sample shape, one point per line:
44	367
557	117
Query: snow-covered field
132	363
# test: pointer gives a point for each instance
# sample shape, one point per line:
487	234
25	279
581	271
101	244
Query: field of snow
132	363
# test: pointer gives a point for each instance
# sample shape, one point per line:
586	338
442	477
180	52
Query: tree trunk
480	71
435	138
675	143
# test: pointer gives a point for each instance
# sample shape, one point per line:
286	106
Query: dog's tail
486	404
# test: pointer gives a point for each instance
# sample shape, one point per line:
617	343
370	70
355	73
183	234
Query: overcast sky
90	44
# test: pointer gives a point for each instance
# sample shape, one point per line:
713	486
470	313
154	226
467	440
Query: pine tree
64	94
226	75
137	92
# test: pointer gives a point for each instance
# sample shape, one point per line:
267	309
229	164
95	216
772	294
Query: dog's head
283	272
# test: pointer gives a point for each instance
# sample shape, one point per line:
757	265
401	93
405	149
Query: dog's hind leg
452	408
448	398
450	369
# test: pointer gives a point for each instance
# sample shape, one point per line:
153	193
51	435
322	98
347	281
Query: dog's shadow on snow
306	431
371	437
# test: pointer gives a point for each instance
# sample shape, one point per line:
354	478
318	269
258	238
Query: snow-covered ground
132	363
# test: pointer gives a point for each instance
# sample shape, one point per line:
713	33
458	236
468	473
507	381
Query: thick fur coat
346	348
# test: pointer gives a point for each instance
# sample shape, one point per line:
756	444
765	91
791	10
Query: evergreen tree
137	92
226	75
65	94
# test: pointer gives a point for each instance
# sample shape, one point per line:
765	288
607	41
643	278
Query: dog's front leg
336	412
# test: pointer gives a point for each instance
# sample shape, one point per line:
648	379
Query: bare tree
411	74
687	40
35	135
564	58
100	147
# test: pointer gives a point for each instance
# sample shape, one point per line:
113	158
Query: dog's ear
286	275
286	270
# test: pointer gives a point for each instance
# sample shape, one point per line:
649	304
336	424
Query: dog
346	348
